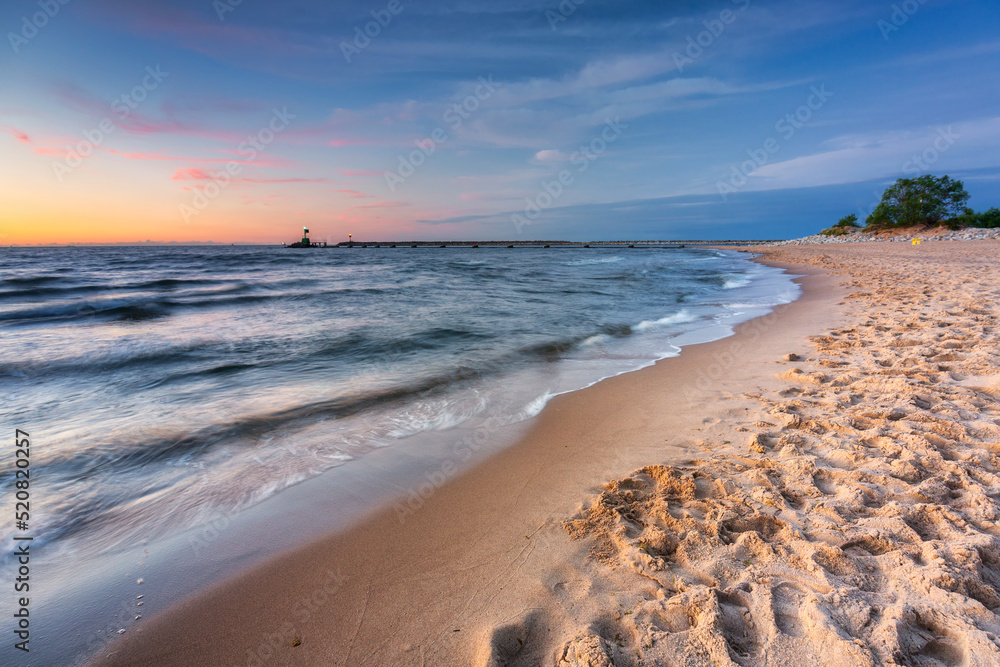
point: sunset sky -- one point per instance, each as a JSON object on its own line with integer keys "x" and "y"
{"x": 245, "y": 121}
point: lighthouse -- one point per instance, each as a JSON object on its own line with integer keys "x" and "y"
{"x": 305, "y": 237}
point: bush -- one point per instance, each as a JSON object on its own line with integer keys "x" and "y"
{"x": 843, "y": 226}
{"x": 990, "y": 218}
{"x": 970, "y": 218}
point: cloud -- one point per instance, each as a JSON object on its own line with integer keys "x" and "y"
{"x": 194, "y": 174}
{"x": 383, "y": 204}
{"x": 281, "y": 180}
{"x": 259, "y": 161}
{"x": 354, "y": 194}
{"x": 140, "y": 121}
{"x": 550, "y": 156}
{"x": 854, "y": 158}
{"x": 190, "y": 175}
{"x": 17, "y": 134}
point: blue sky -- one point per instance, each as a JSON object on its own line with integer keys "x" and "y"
{"x": 598, "y": 120}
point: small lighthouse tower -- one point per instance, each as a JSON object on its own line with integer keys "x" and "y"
{"x": 305, "y": 237}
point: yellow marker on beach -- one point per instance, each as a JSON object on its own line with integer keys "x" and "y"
{"x": 916, "y": 241}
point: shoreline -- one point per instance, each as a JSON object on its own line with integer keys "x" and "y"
{"x": 332, "y": 595}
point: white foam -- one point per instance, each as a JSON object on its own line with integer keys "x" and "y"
{"x": 597, "y": 260}
{"x": 534, "y": 408}
{"x": 676, "y": 318}
{"x": 595, "y": 340}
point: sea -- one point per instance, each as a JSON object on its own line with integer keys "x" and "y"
{"x": 162, "y": 386}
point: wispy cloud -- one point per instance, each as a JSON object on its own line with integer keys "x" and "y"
{"x": 17, "y": 134}
{"x": 860, "y": 157}
{"x": 194, "y": 174}
{"x": 383, "y": 204}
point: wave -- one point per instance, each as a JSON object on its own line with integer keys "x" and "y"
{"x": 143, "y": 308}
{"x": 595, "y": 340}
{"x": 134, "y": 455}
{"x": 594, "y": 260}
{"x": 535, "y": 407}
{"x": 30, "y": 280}
{"x": 677, "y": 318}
{"x": 146, "y": 307}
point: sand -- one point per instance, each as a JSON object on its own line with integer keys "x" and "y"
{"x": 820, "y": 488}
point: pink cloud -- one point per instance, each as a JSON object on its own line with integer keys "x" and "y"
{"x": 354, "y": 194}
{"x": 344, "y": 125}
{"x": 17, "y": 134}
{"x": 140, "y": 122}
{"x": 194, "y": 174}
{"x": 283, "y": 180}
{"x": 190, "y": 175}
{"x": 53, "y": 145}
{"x": 383, "y": 204}
{"x": 259, "y": 162}
{"x": 50, "y": 150}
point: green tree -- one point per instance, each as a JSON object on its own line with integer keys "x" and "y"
{"x": 916, "y": 201}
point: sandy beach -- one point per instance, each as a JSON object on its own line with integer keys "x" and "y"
{"x": 820, "y": 488}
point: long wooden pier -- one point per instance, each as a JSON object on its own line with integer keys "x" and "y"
{"x": 534, "y": 244}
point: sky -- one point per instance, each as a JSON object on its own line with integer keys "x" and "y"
{"x": 245, "y": 120}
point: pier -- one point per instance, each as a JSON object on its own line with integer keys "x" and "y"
{"x": 352, "y": 244}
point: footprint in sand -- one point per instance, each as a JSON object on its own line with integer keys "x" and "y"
{"x": 765, "y": 526}
{"x": 786, "y": 600}
{"x": 924, "y": 643}
{"x": 737, "y": 627}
